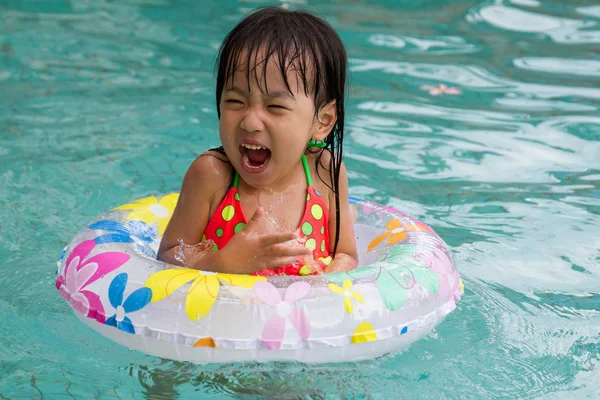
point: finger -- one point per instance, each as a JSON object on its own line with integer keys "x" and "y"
{"x": 288, "y": 251}
{"x": 257, "y": 216}
{"x": 253, "y": 224}
{"x": 279, "y": 262}
{"x": 276, "y": 238}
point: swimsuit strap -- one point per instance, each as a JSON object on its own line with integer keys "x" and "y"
{"x": 306, "y": 171}
{"x": 236, "y": 178}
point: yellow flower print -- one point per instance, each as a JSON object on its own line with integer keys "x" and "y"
{"x": 364, "y": 333}
{"x": 348, "y": 295}
{"x": 151, "y": 210}
{"x": 203, "y": 291}
{"x": 395, "y": 234}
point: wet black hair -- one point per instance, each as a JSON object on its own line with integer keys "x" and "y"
{"x": 308, "y": 44}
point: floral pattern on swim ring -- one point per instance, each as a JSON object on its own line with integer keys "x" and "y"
{"x": 62, "y": 257}
{"x": 205, "y": 342}
{"x": 137, "y": 300}
{"x": 137, "y": 232}
{"x": 396, "y": 233}
{"x": 152, "y": 211}
{"x": 203, "y": 291}
{"x": 448, "y": 276}
{"x": 285, "y": 309}
{"x": 363, "y": 333}
{"x": 346, "y": 291}
{"x": 394, "y": 279}
{"x": 81, "y": 271}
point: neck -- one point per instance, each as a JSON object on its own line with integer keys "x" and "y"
{"x": 296, "y": 176}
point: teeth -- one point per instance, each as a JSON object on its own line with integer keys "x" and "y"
{"x": 253, "y": 147}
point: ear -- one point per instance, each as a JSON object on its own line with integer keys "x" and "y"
{"x": 326, "y": 119}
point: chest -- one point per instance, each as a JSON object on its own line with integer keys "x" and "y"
{"x": 295, "y": 208}
{"x": 284, "y": 211}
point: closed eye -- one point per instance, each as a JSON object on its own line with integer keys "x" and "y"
{"x": 277, "y": 107}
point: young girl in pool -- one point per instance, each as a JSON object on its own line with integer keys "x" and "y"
{"x": 280, "y": 102}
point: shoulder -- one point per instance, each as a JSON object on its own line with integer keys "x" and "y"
{"x": 209, "y": 174}
{"x": 209, "y": 165}
{"x": 320, "y": 164}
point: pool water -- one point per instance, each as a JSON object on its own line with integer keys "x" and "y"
{"x": 479, "y": 118}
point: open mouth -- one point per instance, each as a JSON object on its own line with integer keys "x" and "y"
{"x": 254, "y": 157}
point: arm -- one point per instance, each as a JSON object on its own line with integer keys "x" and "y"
{"x": 203, "y": 180}
{"x": 346, "y": 257}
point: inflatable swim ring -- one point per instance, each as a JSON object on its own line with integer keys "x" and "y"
{"x": 406, "y": 284}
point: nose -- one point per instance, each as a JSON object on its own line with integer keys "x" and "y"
{"x": 252, "y": 121}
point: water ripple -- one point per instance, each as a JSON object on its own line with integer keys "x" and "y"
{"x": 439, "y": 45}
{"x": 559, "y": 29}
{"x": 471, "y": 77}
{"x": 590, "y": 11}
{"x": 559, "y": 65}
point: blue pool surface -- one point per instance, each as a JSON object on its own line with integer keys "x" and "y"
{"x": 103, "y": 102}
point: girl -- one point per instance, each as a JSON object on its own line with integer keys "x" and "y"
{"x": 280, "y": 102}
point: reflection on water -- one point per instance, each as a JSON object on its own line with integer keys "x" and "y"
{"x": 104, "y": 102}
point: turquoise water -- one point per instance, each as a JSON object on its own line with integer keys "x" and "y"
{"x": 102, "y": 102}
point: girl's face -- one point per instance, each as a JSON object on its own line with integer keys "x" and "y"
{"x": 265, "y": 134}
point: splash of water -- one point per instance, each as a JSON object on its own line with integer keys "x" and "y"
{"x": 189, "y": 254}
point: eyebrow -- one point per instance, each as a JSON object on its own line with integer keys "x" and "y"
{"x": 271, "y": 95}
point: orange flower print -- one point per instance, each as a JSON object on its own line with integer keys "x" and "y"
{"x": 395, "y": 234}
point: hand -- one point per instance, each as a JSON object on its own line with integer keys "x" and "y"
{"x": 342, "y": 263}
{"x": 249, "y": 251}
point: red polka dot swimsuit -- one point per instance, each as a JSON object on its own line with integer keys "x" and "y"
{"x": 313, "y": 229}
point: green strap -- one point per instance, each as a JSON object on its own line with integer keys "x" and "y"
{"x": 236, "y": 178}
{"x": 306, "y": 170}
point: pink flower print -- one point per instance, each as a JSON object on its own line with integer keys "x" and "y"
{"x": 79, "y": 273}
{"x": 274, "y": 329}
{"x": 448, "y": 275}
{"x": 441, "y": 89}
{"x": 367, "y": 208}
